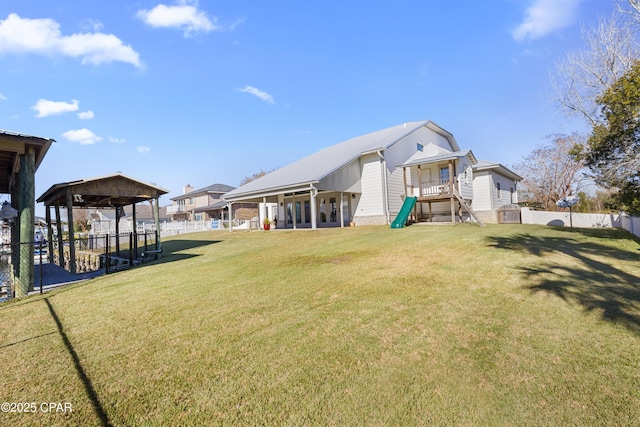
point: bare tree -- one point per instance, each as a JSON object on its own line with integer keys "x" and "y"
{"x": 259, "y": 174}
{"x": 635, "y": 4}
{"x": 610, "y": 50}
{"x": 551, "y": 173}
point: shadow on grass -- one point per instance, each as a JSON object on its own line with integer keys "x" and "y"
{"x": 593, "y": 282}
{"x": 27, "y": 339}
{"x": 172, "y": 248}
{"x": 91, "y": 393}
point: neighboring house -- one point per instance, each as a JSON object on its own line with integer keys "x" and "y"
{"x": 365, "y": 180}
{"x": 103, "y": 220}
{"x": 199, "y": 205}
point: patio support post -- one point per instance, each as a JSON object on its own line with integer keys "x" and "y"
{"x": 314, "y": 220}
{"x": 451, "y": 198}
{"x": 47, "y": 214}
{"x": 60, "y": 240}
{"x": 117, "y": 230}
{"x": 341, "y": 209}
{"x": 156, "y": 215}
{"x": 26, "y": 223}
{"x": 230, "y": 209}
{"x": 15, "y": 230}
{"x": 266, "y": 210}
{"x": 404, "y": 177}
{"x": 134, "y": 226}
{"x": 295, "y": 211}
{"x": 72, "y": 239}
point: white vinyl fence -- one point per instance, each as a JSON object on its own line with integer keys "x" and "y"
{"x": 170, "y": 228}
{"x": 567, "y": 219}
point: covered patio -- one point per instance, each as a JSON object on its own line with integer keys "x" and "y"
{"x": 106, "y": 192}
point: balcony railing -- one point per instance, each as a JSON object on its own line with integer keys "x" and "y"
{"x": 434, "y": 188}
{"x": 175, "y": 209}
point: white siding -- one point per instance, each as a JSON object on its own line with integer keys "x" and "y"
{"x": 465, "y": 179}
{"x": 402, "y": 150}
{"x": 482, "y": 191}
{"x": 370, "y": 201}
{"x": 502, "y": 197}
{"x": 346, "y": 179}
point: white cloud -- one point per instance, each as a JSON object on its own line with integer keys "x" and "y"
{"x": 117, "y": 140}
{"x": 544, "y": 17}
{"x": 91, "y": 25}
{"x": 52, "y": 108}
{"x": 258, "y": 93}
{"x": 184, "y": 15}
{"x": 2, "y": 97}
{"x": 82, "y": 136}
{"x": 42, "y": 36}
{"x": 86, "y": 115}
{"x": 142, "y": 149}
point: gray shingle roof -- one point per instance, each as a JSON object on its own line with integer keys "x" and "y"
{"x": 213, "y": 188}
{"x": 486, "y": 165}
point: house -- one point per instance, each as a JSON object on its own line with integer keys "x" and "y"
{"x": 199, "y": 205}
{"x": 103, "y": 220}
{"x": 365, "y": 180}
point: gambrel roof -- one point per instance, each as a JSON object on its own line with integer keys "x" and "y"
{"x": 299, "y": 175}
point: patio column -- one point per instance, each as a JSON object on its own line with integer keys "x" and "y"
{"x": 230, "y": 209}
{"x": 156, "y": 215}
{"x": 266, "y": 210}
{"x": 24, "y": 284}
{"x": 72, "y": 241}
{"x": 60, "y": 237}
{"x": 341, "y": 209}
{"x": 47, "y": 214}
{"x": 451, "y": 198}
{"x": 313, "y": 193}
{"x": 404, "y": 178}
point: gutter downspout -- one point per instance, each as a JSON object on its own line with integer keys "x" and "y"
{"x": 314, "y": 194}
{"x": 385, "y": 191}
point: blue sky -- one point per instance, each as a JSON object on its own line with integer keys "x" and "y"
{"x": 203, "y": 92}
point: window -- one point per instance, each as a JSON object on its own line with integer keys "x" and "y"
{"x": 332, "y": 209}
{"x": 192, "y": 200}
{"x": 420, "y": 147}
{"x": 498, "y": 189}
{"x": 444, "y": 175}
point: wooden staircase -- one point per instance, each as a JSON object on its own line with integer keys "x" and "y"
{"x": 466, "y": 206}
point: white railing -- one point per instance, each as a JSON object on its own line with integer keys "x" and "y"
{"x": 175, "y": 209}
{"x": 434, "y": 188}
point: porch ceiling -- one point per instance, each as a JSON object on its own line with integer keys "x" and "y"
{"x": 12, "y": 145}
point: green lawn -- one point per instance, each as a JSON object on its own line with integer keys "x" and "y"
{"x": 454, "y": 325}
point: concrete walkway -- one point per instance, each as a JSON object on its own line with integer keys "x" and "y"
{"x": 54, "y": 277}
